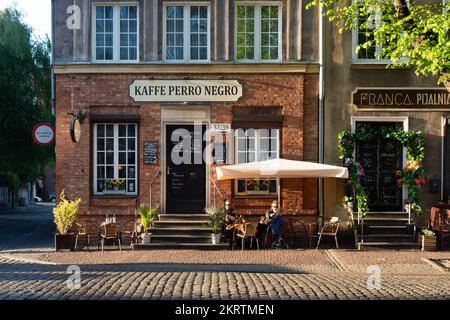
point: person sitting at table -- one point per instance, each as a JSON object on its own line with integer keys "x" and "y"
{"x": 229, "y": 220}
{"x": 265, "y": 220}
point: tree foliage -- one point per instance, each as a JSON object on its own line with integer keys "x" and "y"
{"x": 415, "y": 35}
{"x": 25, "y": 99}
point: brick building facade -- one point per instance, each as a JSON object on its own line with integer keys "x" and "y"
{"x": 278, "y": 109}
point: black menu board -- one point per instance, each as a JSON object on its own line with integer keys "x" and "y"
{"x": 150, "y": 152}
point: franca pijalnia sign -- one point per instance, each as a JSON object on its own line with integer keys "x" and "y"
{"x": 371, "y": 98}
{"x": 185, "y": 90}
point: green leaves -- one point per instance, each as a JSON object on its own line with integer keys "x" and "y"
{"x": 216, "y": 216}
{"x": 148, "y": 216}
{"x": 412, "y": 175}
{"x": 25, "y": 99}
{"x": 415, "y": 36}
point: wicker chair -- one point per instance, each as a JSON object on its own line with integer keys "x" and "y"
{"x": 249, "y": 232}
{"x": 110, "y": 231}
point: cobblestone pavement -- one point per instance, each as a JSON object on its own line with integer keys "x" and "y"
{"x": 331, "y": 277}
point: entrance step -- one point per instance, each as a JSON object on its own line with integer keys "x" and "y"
{"x": 183, "y": 238}
{"x": 376, "y": 221}
{"x": 368, "y": 238}
{"x": 180, "y": 246}
{"x": 387, "y": 214}
{"x": 389, "y": 245}
{"x": 181, "y": 224}
{"x": 181, "y": 230}
{"x": 183, "y": 217}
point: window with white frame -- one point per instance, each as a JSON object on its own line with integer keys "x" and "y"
{"x": 115, "y": 158}
{"x": 256, "y": 145}
{"x": 258, "y": 32}
{"x": 365, "y": 33}
{"x": 116, "y": 33}
{"x": 186, "y": 32}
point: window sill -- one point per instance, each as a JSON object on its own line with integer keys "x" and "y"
{"x": 376, "y": 65}
{"x": 256, "y": 196}
{"x": 113, "y": 196}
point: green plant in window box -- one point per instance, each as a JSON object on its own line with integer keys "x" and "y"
{"x": 251, "y": 185}
{"x": 115, "y": 185}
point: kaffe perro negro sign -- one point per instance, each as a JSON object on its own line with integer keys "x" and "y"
{"x": 372, "y": 98}
{"x": 185, "y": 90}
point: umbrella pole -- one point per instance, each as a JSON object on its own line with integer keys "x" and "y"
{"x": 279, "y": 192}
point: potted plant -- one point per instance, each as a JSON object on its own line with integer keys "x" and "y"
{"x": 216, "y": 221}
{"x": 65, "y": 214}
{"x": 427, "y": 240}
{"x": 148, "y": 215}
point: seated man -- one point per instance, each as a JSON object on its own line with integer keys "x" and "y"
{"x": 229, "y": 220}
{"x": 266, "y": 220}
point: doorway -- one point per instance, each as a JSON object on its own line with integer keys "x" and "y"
{"x": 381, "y": 158}
{"x": 185, "y": 169}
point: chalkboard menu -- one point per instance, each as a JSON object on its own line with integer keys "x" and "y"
{"x": 150, "y": 152}
{"x": 381, "y": 158}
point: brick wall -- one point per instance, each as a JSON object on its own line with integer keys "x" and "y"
{"x": 296, "y": 94}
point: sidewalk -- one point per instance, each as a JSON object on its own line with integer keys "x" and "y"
{"x": 287, "y": 261}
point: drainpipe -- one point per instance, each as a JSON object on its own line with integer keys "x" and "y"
{"x": 53, "y": 82}
{"x": 321, "y": 109}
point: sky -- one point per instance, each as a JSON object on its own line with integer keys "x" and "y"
{"x": 37, "y": 14}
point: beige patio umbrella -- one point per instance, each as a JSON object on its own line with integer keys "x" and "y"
{"x": 280, "y": 168}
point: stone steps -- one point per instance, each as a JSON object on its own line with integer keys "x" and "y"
{"x": 181, "y": 231}
{"x": 386, "y": 230}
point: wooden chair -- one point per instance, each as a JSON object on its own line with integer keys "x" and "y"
{"x": 268, "y": 236}
{"x": 110, "y": 231}
{"x": 249, "y": 232}
{"x": 439, "y": 223}
{"x": 330, "y": 228}
{"x": 130, "y": 230}
{"x": 86, "y": 230}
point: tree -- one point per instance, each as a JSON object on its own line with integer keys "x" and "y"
{"x": 25, "y": 100}
{"x": 411, "y": 35}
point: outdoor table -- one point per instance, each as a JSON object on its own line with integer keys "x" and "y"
{"x": 440, "y": 209}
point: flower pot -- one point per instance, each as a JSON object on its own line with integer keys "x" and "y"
{"x": 146, "y": 238}
{"x": 215, "y": 238}
{"x": 427, "y": 243}
{"x": 64, "y": 242}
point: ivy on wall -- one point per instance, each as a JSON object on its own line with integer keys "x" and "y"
{"x": 412, "y": 175}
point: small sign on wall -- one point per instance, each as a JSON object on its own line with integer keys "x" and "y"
{"x": 220, "y": 127}
{"x": 43, "y": 134}
{"x": 150, "y": 152}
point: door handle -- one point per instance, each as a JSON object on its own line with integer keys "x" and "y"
{"x": 168, "y": 170}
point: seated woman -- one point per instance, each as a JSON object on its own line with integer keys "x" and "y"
{"x": 230, "y": 219}
{"x": 265, "y": 220}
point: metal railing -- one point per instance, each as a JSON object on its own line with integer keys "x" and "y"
{"x": 147, "y": 189}
{"x": 214, "y": 193}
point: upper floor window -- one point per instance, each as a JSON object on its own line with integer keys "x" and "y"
{"x": 258, "y": 32}
{"x": 116, "y": 35}
{"x": 186, "y": 33}
{"x": 364, "y": 33}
